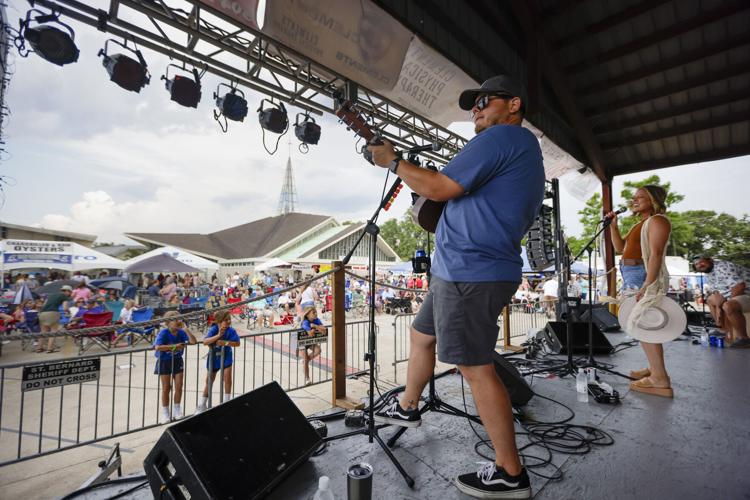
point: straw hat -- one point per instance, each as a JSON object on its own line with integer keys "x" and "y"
{"x": 658, "y": 324}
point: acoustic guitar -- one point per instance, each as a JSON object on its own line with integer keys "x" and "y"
{"x": 425, "y": 213}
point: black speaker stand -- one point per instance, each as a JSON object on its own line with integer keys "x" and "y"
{"x": 371, "y": 430}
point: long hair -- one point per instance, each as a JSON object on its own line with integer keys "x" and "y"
{"x": 658, "y": 197}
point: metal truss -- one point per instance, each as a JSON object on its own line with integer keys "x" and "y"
{"x": 206, "y": 39}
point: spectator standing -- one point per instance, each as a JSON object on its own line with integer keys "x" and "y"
{"x": 169, "y": 289}
{"x": 49, "y": 317}
{"x": 169, "y": 346}
{"x": 82, "y": 292}
{"x": 221, "y": 337}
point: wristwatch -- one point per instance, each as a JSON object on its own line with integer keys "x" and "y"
{"x": 393, "y": 165}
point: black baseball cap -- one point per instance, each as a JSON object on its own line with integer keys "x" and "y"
{"x": 500, "y": 84}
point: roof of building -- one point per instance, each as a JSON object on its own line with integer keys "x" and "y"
{"x": 115, "y": 250}
{"x": 623, "y": 85}
{"x": 254, "y": 239}
{"x": 51, "y": 232}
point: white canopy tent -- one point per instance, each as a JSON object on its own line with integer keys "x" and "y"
{"x": 270, "y": 264}
{"x": 181, "y": 255}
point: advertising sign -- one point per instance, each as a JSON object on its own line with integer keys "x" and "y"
{"x": 244, "y": 11}
{"x": 356, "y": 39}
{"x": 429, "y": 85}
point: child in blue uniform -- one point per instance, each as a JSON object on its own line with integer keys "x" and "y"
{"x": 220, "y": 337}
{"x": 310, "y": 323}
{"x": 169, "y": 346}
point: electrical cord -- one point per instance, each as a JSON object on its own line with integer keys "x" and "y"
{"x": 127, "y": 492}
{"x": 91, "y": 487}
{"x": 549, "y": 437}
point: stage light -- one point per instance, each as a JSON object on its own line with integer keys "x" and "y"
{"x": 125, "y": 71}
{"x": 307, "y": 131}
{"x": 182, "y": 89}
{"x": 273, "y": 119}
{"x": 232, "y": 106}
{"x": 51, "y": 43}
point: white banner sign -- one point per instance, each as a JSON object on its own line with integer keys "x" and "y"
{"x": 354, "y": 38}
{"x": 429, "y": 85}
{"x": 244, "y": 11}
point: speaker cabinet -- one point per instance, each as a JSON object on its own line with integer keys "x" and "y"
{"x": 519, "y": 391}
{"x": 237, "y": 450}
{"x": 580, "y": 340}
{"x": 606, "y": 321}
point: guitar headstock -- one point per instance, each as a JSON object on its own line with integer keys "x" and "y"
{"x": 354, "y": 119}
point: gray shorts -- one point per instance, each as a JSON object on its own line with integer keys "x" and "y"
{"x": 463, "y": 317}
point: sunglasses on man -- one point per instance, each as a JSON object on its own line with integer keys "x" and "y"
{"x": 484, "y": 100}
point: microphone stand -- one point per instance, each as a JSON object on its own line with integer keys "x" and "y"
{"x": 371, "y": 431}
{"x": 591, "y": 362}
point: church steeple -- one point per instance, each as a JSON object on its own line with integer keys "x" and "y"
{"x": 288, "y": 198}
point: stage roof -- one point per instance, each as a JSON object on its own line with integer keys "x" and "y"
{"x": 623, "y": 85}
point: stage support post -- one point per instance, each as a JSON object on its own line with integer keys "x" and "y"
{"x": 609, "y": 249}
{"x": 338, "y": 340}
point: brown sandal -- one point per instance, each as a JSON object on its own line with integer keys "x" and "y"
{"x": 646, "y": 386}
{"x": 639, "y": 374}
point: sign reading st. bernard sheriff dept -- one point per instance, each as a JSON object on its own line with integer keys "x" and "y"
{"x": 51, "y": 375}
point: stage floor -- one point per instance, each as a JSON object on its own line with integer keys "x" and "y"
{"x": 693, "y": 447}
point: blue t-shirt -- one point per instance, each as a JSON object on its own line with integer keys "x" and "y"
{"x": 165, "y": 337}
{"x": 230, "y": 335}
{"x": 479, "y": 234}
{"x": 307, "y": 326}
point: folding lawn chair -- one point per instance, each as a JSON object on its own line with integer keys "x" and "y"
{"x": 140, "y": 334}
{"x": 103, "y": 339}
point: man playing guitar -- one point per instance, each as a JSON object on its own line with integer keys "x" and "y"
{"x": 493, "y": 187}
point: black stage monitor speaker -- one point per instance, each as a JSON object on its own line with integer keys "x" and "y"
{"x": 237, "y": 450}
{"x": 580, "y": 341}
{"x": 519, "y": 391}
{"x": 606, "y": 321}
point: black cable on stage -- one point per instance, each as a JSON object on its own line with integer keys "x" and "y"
{"x": 110, "y": 482}
{"x": 559, "y": 436}
{"x": 127, "y": 492}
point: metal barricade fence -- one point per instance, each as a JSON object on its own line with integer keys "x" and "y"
{"x": 125, "y": 397}
{"x": 523, "y": 317}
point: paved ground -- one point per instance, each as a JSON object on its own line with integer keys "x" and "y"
{"x": 692, "y": 447}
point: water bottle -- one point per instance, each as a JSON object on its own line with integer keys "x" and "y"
{"x": 323, "y": 493}
{"x": 582, "y": 386}
{"x": 704, "y": 339}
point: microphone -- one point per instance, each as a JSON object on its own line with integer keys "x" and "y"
{"x": 617, "y": 212}
{"x": 421, "y": 149}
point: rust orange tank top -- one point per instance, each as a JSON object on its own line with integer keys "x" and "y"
{"x": 632, "y": 248}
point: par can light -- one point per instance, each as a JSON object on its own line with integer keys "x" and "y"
{"x": 231, "y": 106}
{"x": 307, "y": 131}
{"x": 273, "y": 119}
{"x": 124, "y": 70}
{"x": 51, "y": 43}
{"x": 182, "y": 89}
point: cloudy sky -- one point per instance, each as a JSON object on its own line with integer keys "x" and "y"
{"x": 84, "y": 155}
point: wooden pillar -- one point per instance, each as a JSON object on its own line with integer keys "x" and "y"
{"x": 609, "y": 249}
{"x": 338, "y": 334}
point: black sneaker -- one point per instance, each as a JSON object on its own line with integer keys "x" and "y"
{"x": 392, "y": 413}
{"x": 492, "y": 482}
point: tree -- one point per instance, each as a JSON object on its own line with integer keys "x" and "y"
{"x": 720, "y": 235}
{"x": 404, "y": 236}
{"x": 682, "y": 229}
